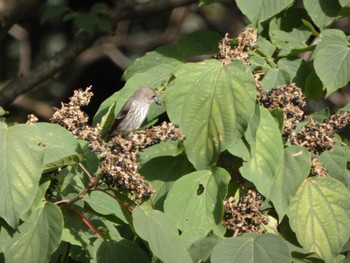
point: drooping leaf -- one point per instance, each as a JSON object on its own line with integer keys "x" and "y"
{"x": 266, "y": 148}
{"x": 196, "y": 200}
{"x": 161, "y": 234}
{"x": 212, "y": 104}
{"x": 297, "y": 163}
{"x": 168, "y": 148}
{"x": 259, "y": 11}
{"x": 21, "y": 163}
{"x": 37, "y": 238}
{"x": 335, "y": 162}
{"x": 296, "y": 68}
{"x": 319, "y": 214}
{"x": 267, "y": 248}
{"x": 104, "y": 204}
{"x": 332, "y": 60}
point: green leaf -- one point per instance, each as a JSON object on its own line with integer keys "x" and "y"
{"x": 202, "y": 248}
{"x": 332, "y": 60}
{"x": 259, "y": 11}
{"x": 240, "y": 149}
{"x": 296, "y": 68}
{"x": 120, "y": 251}
{"x": 168, "y": 148}
{"x": 252, "y": 248}
{"x": 310, "y": 27}
{"x": 313, "y": 88}
{"x": 52, "y": 12}
{"x": 297, "y": 163}
{"x": 319, "y": 214}
{"x": 201, "y": 42}
{"x": 212, "y": 104}
{"x": 61, "y": 146}
{"x": 162, "y": 172}
{"x": 322, "y": 13}
{"x": 196, "y": 200}
{"x": 265, "y": 47}
{"x": 275, "y": 77}
{"x": 21, "y": 163}
{"x": 335, "y": 162}
{"x": 104, "y": 204}
{"x": 264, "y": 138}
{"x": 38, "y": 238}
{"x": 165, "y": 55}
{"x": 99, "y": 8}
{"x": 161, "y": 234}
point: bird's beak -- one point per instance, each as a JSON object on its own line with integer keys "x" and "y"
{"x": 156, "y": 100}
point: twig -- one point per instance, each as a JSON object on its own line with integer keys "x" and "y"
{"x": 86, "y": 221}
{"x": 85, "y": 171}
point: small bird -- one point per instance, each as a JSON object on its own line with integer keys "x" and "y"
{"x": 133, "y": 112}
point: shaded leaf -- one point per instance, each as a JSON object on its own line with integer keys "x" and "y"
{"x": 202, "y": 248}
{"x": 120, "y": 251}
{"x": 162, "y": 172}
{"x": 161, "y": 234}
{"x": 104, "y": 204}
{"x": 322, "y": 13}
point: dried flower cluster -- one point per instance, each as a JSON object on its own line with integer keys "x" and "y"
{"x": 244, "y": 216}
{"x": 316, "y": 137}
{"x": 290, "y": 99}
{"x": 244, "y": 42}
{"x": 119, "y": 161}
{"x": 118, "y": 158}
{"x": 71, "y": 117}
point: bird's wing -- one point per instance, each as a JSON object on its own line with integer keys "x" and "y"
{"x": 121, "y": 115}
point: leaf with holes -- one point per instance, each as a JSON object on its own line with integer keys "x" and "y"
{"x": 196, "y": 200}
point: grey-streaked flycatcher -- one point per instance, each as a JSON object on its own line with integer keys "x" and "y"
{"x": 133, "y": 112}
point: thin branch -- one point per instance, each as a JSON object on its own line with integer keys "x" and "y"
{"x": 82, "y": 41}
{"x": 13, "y": 11}
{"x": 86, "y": 221}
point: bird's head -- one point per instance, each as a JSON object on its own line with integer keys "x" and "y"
{"x": 146, "y": 94}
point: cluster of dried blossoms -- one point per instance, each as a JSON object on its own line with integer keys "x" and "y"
{"x": 317, "y": 138}
{"x": 244, "y": 42}
{"x": 118, "y": 157}
{"x": 244, "y": 216}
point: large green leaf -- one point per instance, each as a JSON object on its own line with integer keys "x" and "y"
{"x": 260, "y": 10}
{"x": 119, "y": 251}
{"x": 202, "y": 247}
{"x": 296, "y": 68}
{"x": 196, "y": 200}
{"x": 322, "y": 13}
{"x": 21, "y": 163}
{"x": 252, "y": 248}
{"x": 297, "y": 163}
{"x": 332, "y": 60}
{"x": 212, "y": 104}
{"x": 162, "y": 172}
{"x": 161, "y": 234}
{"x": 168, "y": 148}
{"x": 266, "y": 147}
{"x": 38, "y": 238}
{"x": 319, "y": 214}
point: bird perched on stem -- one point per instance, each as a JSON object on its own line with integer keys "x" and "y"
{"x": 133, "y": 112}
